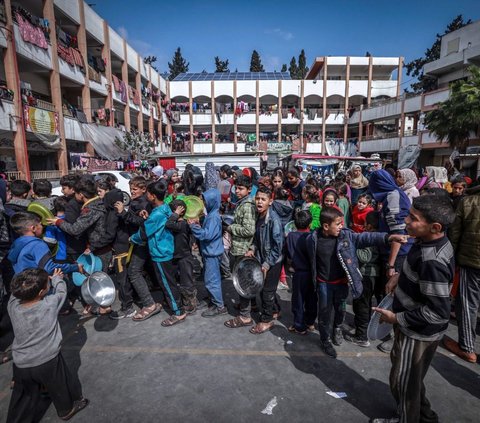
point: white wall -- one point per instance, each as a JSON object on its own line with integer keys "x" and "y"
{"x": 70, "y": 8}
{"x": 32, "y": 52}
{"x": 467, "y": 34}
{"x": 93, "y": 23}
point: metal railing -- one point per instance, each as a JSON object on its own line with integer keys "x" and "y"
{"x": 45, "y": 105}
{"x": 45, "y": 174}
{"x": 11, "y": 175}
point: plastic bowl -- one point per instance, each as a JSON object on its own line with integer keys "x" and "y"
{"x": 40, "y": 210}
{"x": 91, "y": 264}
{"x": 194, "y": 207}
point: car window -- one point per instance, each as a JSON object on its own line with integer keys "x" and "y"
{"x": 126, "y": 175}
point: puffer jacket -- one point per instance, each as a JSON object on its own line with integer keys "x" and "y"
{"x": 347, "y": 244}
{"x": 269, "y": 252}
{"x": 464, "y": 233}
{"x": 91, "y": 222}
{"x": 243, "y": 226}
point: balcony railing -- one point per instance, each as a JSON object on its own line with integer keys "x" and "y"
{"x": 45, "y": 174}
{"x": 12, "y": 175}
{"x": 45, "y": 105}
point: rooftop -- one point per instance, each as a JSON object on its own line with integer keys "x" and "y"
{"x": 233, "y": 76}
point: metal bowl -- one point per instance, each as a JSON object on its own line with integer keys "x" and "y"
{"x": 99, "y": 290}
{"x": 248, "y": 277}
{"x": 377, "y": 330}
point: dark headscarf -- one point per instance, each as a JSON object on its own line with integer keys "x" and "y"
{"x": 381, "y": 184}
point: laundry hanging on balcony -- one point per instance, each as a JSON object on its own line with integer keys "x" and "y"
{"x": 44, "y": 125}
{"x": 102, "y": 139}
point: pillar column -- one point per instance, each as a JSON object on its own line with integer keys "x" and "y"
{"x": 347, "y": 93}
{"x": 190, "y": 113}
{"x": 13, "y": 83}
{"x": 212, "y": 96}
{"x": 108, "y": 70}
{"x": 169, "y": 124}
{"x": 55, "y": 88}
{"x": 303, "y": 147}
{"x": 126, "y": 112}
{"x": 257, "y": 112}
{"x": 160, "y": 115}
{"x": 235, "y": 125}
{"x": 399, "y": 77}
{"x": 150, "y": 109}
{"x": 138, "y": 86}
{"x": 402, "y": 122}
{"x": 324, "y": 114}
{"x": 279, "y": 106}
{"x": 370, "y": 76}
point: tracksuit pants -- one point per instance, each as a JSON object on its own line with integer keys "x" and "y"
{"x": 63, "y": 388}
{"x": 467, "y": 304}
{"x": 411, "y": 359}
{"x": 165, "y": 272}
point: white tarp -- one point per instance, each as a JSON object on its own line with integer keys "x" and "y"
{"x": 102, "y": 139}
{"x": 407, "y": 156}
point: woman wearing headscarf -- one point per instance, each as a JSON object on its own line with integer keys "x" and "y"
{"x": 211, "y": 176}
{"x": 406, "y": 180}
{"x": 395, "y": 208}
{"x": 358, "y": 183}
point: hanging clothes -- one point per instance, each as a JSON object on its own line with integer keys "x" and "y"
{"x": 30, "y": 33}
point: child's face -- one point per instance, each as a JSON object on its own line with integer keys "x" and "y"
{"x": 136, "y": 191}
{"x": 277, "y": 182}
{"x": 362, "y": 203}
{"x": 334, "y": 228}
{"x": 458, "y": 189}
{"x": 101, "y": 192}
{"x": 151, "y": 198}
{"x": 329, "y": 200}
{"x": 37, "y": 229}
{"x": 369, "y": 228}
{"x": 241, "y": 192}
{"x": 292, "y": 179}
{"x": 262, "y": 202}
{"x": 67, "y": 191}
{"x": 175, "y": 178}
{"x": 417, "y": 226}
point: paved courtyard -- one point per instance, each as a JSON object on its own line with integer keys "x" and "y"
{"x": 200, "y": 371}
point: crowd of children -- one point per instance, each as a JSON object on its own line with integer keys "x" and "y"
{"x": 357, "y": 236}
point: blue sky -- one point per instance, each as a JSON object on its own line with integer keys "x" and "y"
{"x": 279, "y": 29}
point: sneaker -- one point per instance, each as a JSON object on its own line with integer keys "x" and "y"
{"x": 337, "y": 336}
{"x": 361, "y": 342}
{"x": 215, "y": 311}
{"x": 203, "y": 304}
{"x": 282, "y": 286}
{"x": 327, "y": 347}
{"x": 386, "y": 346}
{"x": 453, "y": 347}
{"x": 122, "y": 314}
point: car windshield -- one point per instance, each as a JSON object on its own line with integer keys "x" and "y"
{"x": 126, "y": 175}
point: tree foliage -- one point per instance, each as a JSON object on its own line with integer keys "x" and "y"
{"x": 256, "y": 62}
{"x": 138, "y": 145}
{"x": 415, "y": 67}
{"x": 150, "y": 60}
{"x": 284, "y": 68}
{"x": 458, "y": 118}
{"x": 302, "y": 65}
{"x": 293, "y": 68}
{"x": 221, "y": 65}
{"x": 179, "y": 65}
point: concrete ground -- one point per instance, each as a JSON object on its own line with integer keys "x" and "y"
{"x": 201, "y": 371}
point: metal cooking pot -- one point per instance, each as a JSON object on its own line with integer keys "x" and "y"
{"x": 98, "y": 290}
{"x": 248, "y": 277}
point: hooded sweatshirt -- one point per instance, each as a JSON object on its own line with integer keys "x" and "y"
{"x": 116, "y": 230}
{"x": 395, "y": 207}
{"x": 31, "y": 252}
{"x": 210, "y": 233}
{"x": 160, "y": 239}
{"x": 284, "y": 209}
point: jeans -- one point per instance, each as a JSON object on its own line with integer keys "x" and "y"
{"x": 135, "y": 269}
{"x": 331, "y": 297}
{"x": 125, "y": 292}
{"x": 304, "y": 301}
{"x": 213, "y": 279}
{"x": 269, "y": 293}
{"x": 362, "y": 307}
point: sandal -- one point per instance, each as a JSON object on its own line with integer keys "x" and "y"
{"x": 276, "y": 315}
{"x": 256, "y": 330}
{"x": 77, "y": 406}
{"x": 295, "y": 330}
{"x": 237, "y": 322}
{"x": 147, "y": 312}
{"x": 172, "y": 320}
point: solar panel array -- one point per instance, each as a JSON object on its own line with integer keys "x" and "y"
{"x": 233, "y": 76}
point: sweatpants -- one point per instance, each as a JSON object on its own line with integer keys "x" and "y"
{"x": 183, "y": 268}
{"x": 362, "y": 307}
{"x": 125, "y": 291}
{"x": 165, "y": 273}
{"x": 213, "y": 279}
{"x": 410, "y": 362}
{"x": 63, "y": 388}
{"x": 331, "y": 298}
{"x": 268, "y": 294}
{"x": 304, "y": 301}
{"x": 467, "y": 304}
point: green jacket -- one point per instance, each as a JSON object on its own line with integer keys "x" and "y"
{"x": 243, "y": 226}
{"x": 464, "y": 233}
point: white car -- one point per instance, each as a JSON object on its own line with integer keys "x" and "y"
{"x": 123, "y": 179}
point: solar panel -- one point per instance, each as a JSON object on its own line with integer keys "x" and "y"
{"x": 232, "y": 76}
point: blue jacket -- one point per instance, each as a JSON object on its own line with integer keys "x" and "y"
{"x": 395, "y": 207}
{"x": 29, "y": 252}
{"x": 269, "y": 252}
{"x": 160, "y": 239}
{"x": 347, "y": 244}
{"x": 210, "y": 233}
{"x": 54, "y": 235}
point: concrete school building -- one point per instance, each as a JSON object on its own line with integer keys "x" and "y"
{"x": 70, "y": 84}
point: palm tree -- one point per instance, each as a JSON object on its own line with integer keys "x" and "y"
{"x": 457, "y": 119}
